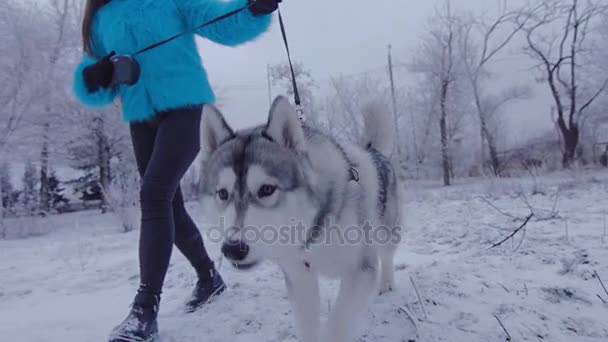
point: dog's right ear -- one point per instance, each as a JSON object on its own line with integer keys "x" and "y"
{"x": 284, "y": 126}
{"x": 214, "y": 130}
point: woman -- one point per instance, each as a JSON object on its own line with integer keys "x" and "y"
{"x": 163, "y": 108}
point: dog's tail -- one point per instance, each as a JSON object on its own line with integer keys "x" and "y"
{"x": 379, "y": 132}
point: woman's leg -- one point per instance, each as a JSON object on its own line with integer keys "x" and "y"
{"x": 188, "y": 238}
{"x": 176, "y": 144}
{"x": 141, "y": 323}
{"x": 164, "y": 150}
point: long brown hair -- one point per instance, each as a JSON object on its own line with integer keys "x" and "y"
{"x": 87, "y": 22}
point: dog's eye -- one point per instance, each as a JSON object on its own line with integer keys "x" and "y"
{"x": 266, "y": 190}
{"x": 223, "y": 194}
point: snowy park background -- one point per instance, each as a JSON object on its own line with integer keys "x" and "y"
{"x": 501, "y": 112}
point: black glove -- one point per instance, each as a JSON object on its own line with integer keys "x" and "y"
{"x": 99, "y": 75}
{"x": 261, "y": 7}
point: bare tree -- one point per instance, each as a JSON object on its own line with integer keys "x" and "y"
{"x": 19, "y": 71}
{"x": 18, "y": 74}
{"x": 93, "y": 139}
{"x": 558, "y": 37}
{"x": 344, "y": 102}
{"x": 439, "y": 64}
{"x": 62, "y": 15}
{"x": 483, "y": 40}
{"x": 29, "y": 61}
{"x": 421, "y": 100}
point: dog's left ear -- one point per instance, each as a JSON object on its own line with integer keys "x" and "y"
{"x": 214, "y": 130}
{"x": 283, "y": 125}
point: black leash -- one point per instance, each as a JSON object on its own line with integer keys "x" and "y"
{"x": 213, "y": 21}
{"x": 296, "y": 93}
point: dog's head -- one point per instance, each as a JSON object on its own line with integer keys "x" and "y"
{"x": 257, "y": 181}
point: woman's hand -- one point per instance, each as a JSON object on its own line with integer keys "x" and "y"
{"x": 99, "y": 75}
{"x": 261, "y": 7}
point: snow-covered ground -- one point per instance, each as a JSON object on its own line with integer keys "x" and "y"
{"x": 76, "y": 282}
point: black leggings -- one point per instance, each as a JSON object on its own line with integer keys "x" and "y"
{"x": 165, "y": 147}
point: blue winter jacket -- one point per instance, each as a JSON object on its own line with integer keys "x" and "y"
{"x": 172, "y": 75}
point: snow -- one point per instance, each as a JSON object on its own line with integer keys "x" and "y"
{"x": 76, "y": 282}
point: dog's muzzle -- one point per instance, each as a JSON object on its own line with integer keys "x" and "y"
{"x": 237, "y": 251}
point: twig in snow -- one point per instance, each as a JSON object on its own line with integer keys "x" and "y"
{"x": 411, "y": 311}
{"x": 601, "y": 282}
{"x": 553, "y": 209}
{"x": 604, "y": 235}
{"x": 550, "y": 213}
{"x": 566, "y": 228}
{"x": 523, "y": 237}
{"x": 514, "y": 232}
{"x": 503, "y": 328}
{"x": 504, "y": 287}
{"x": 540, "y": 337}
{"x": 419, "y": 298}
{"x": 602, "y": 299}
{"x": 404, "y": 310}
{"x": 499, "y": 228}
{"x": 498, "y": 209}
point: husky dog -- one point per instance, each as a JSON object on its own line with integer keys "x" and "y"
{"x": 291, "y": 194}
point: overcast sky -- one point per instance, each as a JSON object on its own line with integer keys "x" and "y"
{"x": 350, "y": 36}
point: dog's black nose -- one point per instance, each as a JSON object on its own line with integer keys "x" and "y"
{"x": 235, "y": 250}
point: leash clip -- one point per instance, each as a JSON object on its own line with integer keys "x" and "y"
{"x": 300, "y": 112}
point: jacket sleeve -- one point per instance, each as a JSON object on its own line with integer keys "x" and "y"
{"x": 99, "y": 98}
{"x": 231, "y": 31}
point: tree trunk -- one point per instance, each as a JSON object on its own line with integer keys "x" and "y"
{"x": 2, "y": 228}
{"x": 570, "y": 136}
{"x": 45, "y": 204}
{"x": 569, "y": 151}
{"x": 496, "y": 167}
{"x": 103, "y": 163}
{"x": 445, "y": 155}
{"x": 494, "y": 159}
{"x": 482, "y": 151}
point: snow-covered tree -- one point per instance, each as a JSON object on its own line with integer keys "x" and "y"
{"x": 559, "y": 37}
{"x": 29, "y": 195}
{"x": 7, "y": 191}
{"x": 483, "y": 40}
{"x": 440, "y": 67}
{"x": 340, "y": 110}
{"x": 122, "y": 194}
{"x": 55, "y": 192}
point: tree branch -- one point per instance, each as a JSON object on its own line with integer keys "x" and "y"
{"x": 514, "y": 232}
{"x": 594, "y": 97}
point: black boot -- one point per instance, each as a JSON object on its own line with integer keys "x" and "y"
{"x": 141, "y": 324}
{"x": 209, "y": 285}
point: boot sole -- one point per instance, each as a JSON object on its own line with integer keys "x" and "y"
{"x": 215, "y": 293}
{"x": 153, "y": 338}
{"x": 123, "y": 338}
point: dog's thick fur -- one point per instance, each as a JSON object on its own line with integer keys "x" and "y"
{"x": 333, "y": 209}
